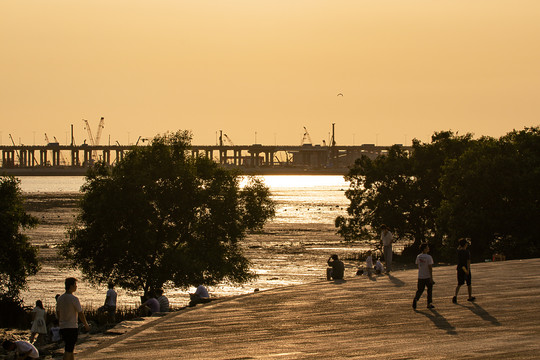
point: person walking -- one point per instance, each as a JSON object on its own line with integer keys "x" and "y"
{"x": 463, "y": 269}
{"x": 68, "y": 309}
{"x": 387, "y": 239}
{"x": 425, "y": 276}
{"x": 39, "y": 325}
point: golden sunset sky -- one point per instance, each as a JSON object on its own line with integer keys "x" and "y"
{"x": 260, "y": 70}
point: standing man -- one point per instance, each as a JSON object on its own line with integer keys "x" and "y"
{"x": 425, "y": 276}
{"x": 387, "y": 239}
{"x": 68, "y": 308}
{"x": 463, "y": 269}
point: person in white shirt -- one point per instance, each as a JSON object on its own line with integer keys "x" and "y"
{"x": 425, "y": 276}
{"x": 110, "y": 303}
{"x": 68, "y": 309}
{"x": 24, "y": 349}
{"x": 163, "y": 301}
{"x": 387, "y": 239}
{"x": 369, "y": 263}
{"x": 199, "y": 296}
{"x": 39, "y": 327}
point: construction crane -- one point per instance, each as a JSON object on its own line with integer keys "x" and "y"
{"x": 224, "y": 136}
{"x": 101, "y": 125}
{"x": 50, "y": 143}
{"x": 95, "y": 142}
{"x": 228, "y": 140}
{"x": 139, "y": 139}
{"x": 306, "y": 137}
{"x": 16, "y": 152}
{"x": 89, "y": 131}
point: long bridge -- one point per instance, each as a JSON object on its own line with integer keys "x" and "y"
{"x": 56, "y": 159}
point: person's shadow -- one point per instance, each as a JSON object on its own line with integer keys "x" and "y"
{"x": 480, "y": 311}
{"x": 339, "y": 281}
{"x": 397, "y": 282}
{"x": 439, "y": 321}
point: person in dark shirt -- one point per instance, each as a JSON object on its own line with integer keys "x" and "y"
{"x": 463, "y": 269}
{"x": 336, "y": 268}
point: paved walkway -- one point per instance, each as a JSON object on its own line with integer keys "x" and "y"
{"x": 359, "y": 319}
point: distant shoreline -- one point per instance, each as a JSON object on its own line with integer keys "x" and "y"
{"x": 81, "y": 171}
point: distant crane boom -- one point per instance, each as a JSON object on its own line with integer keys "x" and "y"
{"x": 228, "y": 140}
{"x": 99, "y": 130}
{"x": 95, "y": 141}
{"x": 13, "y": 142}
{"x": 89, "y": 131}
{"x": 306, "y": 137}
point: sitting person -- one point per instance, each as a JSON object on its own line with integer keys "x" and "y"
{"x": 55, "y": 332}
{"x": 110, "y": 303}
{"x": 369, "y": 263}
{"x": 379, "y": 268}
{"x": 163, "y": 301}
{"x": 336, "y": 268}
{"x": 24, "y": 349}
{"x": 200, "y": 296}
{"x": 149, "y": 307}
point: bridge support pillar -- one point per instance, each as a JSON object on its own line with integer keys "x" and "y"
{"x": 107, "y": 157}
{"x": 75, "y": 158}
{"x": 56, "y": 157}
{"x": 119, "y": 155}
{"x": 43, "y": 157}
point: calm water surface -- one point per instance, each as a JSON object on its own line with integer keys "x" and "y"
{"x": 299, "y": 199}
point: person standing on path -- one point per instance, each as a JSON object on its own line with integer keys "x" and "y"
{"x": 39, "y": 325}
{"x": 387, "y": 240}
{"x": 68, "y": 309}
{"x": 425, "y": 276}
{"x": 463, "y": 269}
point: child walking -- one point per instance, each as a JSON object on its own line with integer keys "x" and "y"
{"x": 425, "y": 276}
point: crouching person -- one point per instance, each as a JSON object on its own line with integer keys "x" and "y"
{"x": 200, "y": 296}
{"x": 336, "y": 268}
{"x": 24, "y": 349}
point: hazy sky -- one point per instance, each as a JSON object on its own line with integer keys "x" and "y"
{"x": 260, "y": 70}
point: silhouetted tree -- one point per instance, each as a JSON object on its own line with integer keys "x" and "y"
{"x": 492, "y": 195}
{"x": 18, "y": 259}
{"x": 485, "y": 189}
{"x": 400, "y": 190}
{"x": 162, "y": 215}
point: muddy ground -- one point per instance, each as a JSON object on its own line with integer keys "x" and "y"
{"x": 283, "y": 254}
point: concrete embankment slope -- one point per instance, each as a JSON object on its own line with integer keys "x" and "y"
{"x": 359, "y": 318}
